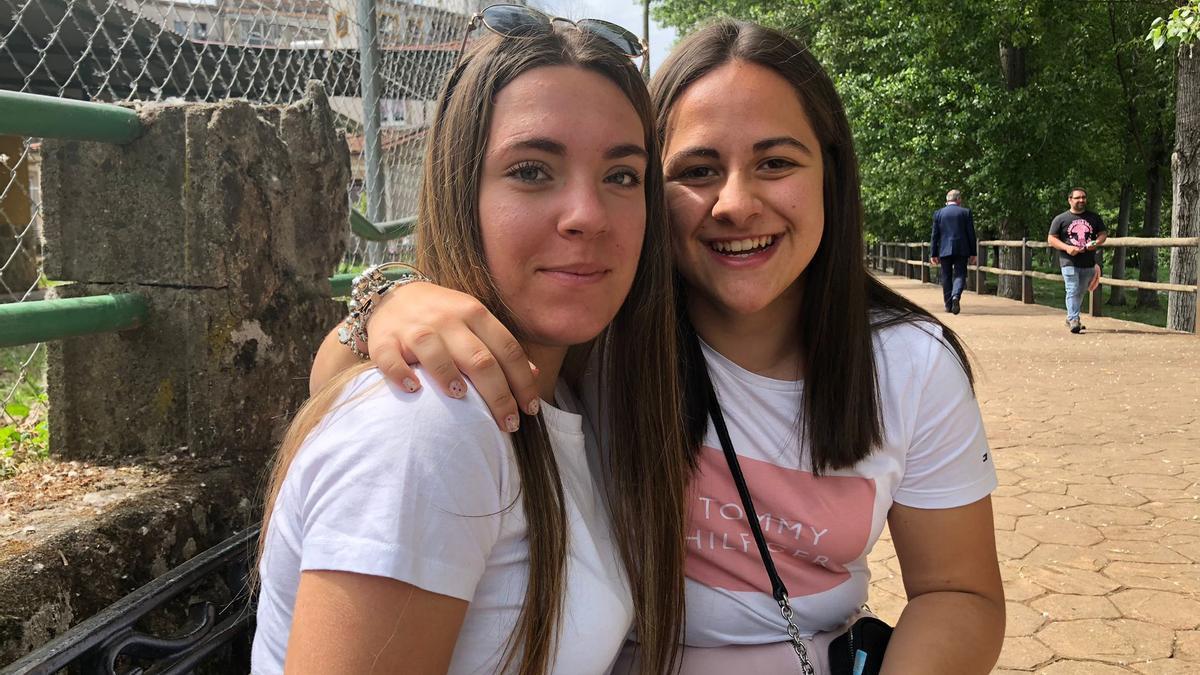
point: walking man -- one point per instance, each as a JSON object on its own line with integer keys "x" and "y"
{"x": 1076, "y": 233}
{"x": 952, "y": 246}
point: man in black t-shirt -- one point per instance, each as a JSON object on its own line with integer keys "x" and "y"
{"x": 1076, "y": 233}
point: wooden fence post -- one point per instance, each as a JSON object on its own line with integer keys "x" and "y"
{"x": 970, "y": 285}
{"x": 1026, "y": 268}
{"x": 980, "y": 275}
{"x": 1196, "y": 297}
{"x": 924, "y": 263}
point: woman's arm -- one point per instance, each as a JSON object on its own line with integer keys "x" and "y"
{"x": 450, "y": 334}
{"x": 356, "y": 623}
{"x": 954, "y": 620}
{"x": 332, "y": 358}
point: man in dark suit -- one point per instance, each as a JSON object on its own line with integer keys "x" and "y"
{"x": 952, "y": 246}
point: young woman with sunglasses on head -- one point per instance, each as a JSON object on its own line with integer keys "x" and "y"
{"x": 405, "y": 532}
{"x": 848, "y": 406}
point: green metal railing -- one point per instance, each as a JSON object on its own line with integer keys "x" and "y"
{"x": 385, "y": 231}
{"x": 52, "y": 117}
{"x": 43, "y": 320}
{"x": 56, "y": 319}
{"x": 23, "y": 323}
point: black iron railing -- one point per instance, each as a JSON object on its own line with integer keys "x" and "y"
{"x": 109, "y": 643}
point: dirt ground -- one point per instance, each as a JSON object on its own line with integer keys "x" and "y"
{"x": 46, "y": 498}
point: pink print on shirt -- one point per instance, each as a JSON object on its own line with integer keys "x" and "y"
{"x": 814, "y": 527}
{"x": 1079, "y": 232}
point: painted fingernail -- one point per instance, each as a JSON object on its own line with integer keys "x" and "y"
{"x": 532, "y": 407}
{"x": 410, "y": 385}
{"x": 534, "y": 368}
{"x": 458, "y": 389}
{"x": 512, "y": 423}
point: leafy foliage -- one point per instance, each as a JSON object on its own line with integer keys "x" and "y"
{"x": 932, "y": 108}
{"x": 1180, "y": 28}
{"x": 24, "y": 435}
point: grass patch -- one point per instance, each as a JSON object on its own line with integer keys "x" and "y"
{"x": 345, "y": 267}
{"x": 1054, "y": 294}
{"x": 24, "y": 435}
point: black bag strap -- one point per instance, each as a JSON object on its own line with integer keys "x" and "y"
{"x": 778, "y": 590}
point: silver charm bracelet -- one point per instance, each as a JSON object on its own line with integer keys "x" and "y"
{"x": 366, "y": 289}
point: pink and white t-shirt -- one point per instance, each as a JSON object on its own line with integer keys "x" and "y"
{"x": 820, "y": 529}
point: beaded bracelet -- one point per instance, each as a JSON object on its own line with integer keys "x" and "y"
{"x": 365, "y": 291}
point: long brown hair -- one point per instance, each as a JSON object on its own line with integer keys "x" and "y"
{"x": 844, "y": 305}
{"x": 646, "y": 467}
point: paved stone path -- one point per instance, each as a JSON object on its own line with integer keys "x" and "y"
{"x": 1096, "y": 439}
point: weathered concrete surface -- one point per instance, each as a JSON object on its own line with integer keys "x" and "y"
{"x": 229, "y": 218}
{"x": 211, "y": 196}
{"x": 140, "y": 534}
{"x": 1096, "y": 438}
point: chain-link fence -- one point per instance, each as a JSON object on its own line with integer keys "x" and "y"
{"x": 381, "y": 61}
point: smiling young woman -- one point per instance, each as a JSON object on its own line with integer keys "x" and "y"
{"x": 404, "y": 531}
{"x": 744, "y": 180}
{"x": 847, "y": 407}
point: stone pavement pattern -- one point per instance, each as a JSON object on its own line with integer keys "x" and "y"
{"x": 1096, "y": 439}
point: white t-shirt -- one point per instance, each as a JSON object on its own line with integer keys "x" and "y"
{"x": 934, "y": 455}
{"x": 424, "y": 489}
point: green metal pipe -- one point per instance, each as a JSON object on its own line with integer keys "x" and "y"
{"x": 394, "y": 229}
{"x": 53, "y": 117}
{"x": 23, "y": 323}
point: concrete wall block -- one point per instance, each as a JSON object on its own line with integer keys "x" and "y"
{"x": 208, "y": 197}
{"x": 236, "y": 279}
{"x": 232, "y": 158}
{"x": 320, "y": 167}
{"x": 121, "y": 393}
{"x": 203, "y": 374}
{"x": 107, "y": 206}
{"x": 250, "y": 373}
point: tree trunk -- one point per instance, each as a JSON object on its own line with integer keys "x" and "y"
{"x": 1185, "y": 167}
{"x": 1010, "y": 259}
{"x": 1151, "y": 221}
{"x": 1012, "y": 65}
{"x": 1116, "y": 296}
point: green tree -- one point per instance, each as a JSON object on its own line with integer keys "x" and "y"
{"x": 1011, "y": 101}
{"x": 1182, "y": 31}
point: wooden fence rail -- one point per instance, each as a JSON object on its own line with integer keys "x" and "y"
{"x": 900, "y": 256}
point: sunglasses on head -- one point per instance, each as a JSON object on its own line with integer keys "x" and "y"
{"x": 517, "y": 21}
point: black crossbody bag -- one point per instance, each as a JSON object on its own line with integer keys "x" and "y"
{"x": 857, "y": 651}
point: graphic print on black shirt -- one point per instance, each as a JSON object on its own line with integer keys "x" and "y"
{"x": 1077, "y": 229}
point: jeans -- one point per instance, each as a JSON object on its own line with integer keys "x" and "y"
{"x": 954, "y": 277}
{"x": 1077, "y": 280}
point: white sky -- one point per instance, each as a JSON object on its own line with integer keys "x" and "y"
{"x": 626, "y": 13}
